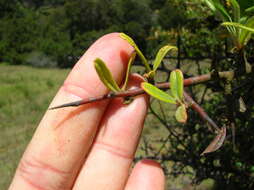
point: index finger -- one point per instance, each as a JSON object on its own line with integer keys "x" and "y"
{"x": 62, "y": 139}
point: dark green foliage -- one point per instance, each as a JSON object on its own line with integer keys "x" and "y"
{"x": 172, "y": 15}
{"x": 18, "y": 35}
{"x": 64, "y": 29}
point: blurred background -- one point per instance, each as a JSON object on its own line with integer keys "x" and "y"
{"x": 40, "y": 40}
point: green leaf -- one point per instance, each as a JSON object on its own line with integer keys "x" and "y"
{"x": 238, "y": 25}
{"x": 131, "y": 60}
{"x": 252, "y": 169}
{"x": 181, "y": 114}
{"x": 249, "y": 10}
{"x": 236, "y": 10}
{"x": 210, "y": 4}
{"x": 179, "y": 76}
{"x": 245, "y": 35}
{"x": 157, "y": 93}
{"x": 161, "y": 54}
{"x": 243, "y": 20}
{"x": 238, "y": 164}
{"x": 219, "y": 9}
{"x": 128, "y": 39}
{"x": 226, "y": 17}
{"x": 140, "y": 54}
{"x": 245, "y": 4}
{"x": 222, "y": 11}
{"x": 105, "y": 75}
{"x": 176, "y": 84}
{"x": 236, "y": 18}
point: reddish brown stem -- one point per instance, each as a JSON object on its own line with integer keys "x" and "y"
{"x": 131, "y": 93}
{"x": 200, "y": 111}
{"x": 138, "y": 91}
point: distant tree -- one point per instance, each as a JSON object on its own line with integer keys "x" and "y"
{"x": 157, "y": 4}
{"x": 18, "y": 34}
{"x": 135, "y": 18}
{"x": 172, "y": 15}
{"x": 85, "y": 15}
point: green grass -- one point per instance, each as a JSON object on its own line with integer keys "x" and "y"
{"x": 25, "y": 94}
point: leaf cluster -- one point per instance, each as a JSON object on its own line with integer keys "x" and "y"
{"x": 176, "y": 78}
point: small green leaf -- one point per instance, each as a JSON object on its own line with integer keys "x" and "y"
{"x": 157, "y": 93}
{"x": 217, "y": 7}
{"x": 252, "y": 169}
{"x": 176, "y": 84}
{"x": 222, "y": 11}
{"x": 179, "y": 76}
{"x": 140, "y": 54}
{"x": 181, "y": 114}
{"x": 210, "y": 4}
{"x": 131, "y": 60}
{"x": 128, "y": 39}
{"x": 161, "y": 54}
{"x": 238, "y": 164}
{"x": 238, "y": 25}
{"x": 105, "y": 75}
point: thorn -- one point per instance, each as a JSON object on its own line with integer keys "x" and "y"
{"x": 71, "y": 104}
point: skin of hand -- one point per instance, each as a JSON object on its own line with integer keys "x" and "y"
{"x": 91, "y": 146}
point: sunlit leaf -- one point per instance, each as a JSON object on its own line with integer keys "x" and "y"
{"x": 157, "y": 93}
{"x": 140, "y": 54}
{"x": 245, "y": 35}
{"x": 210, "y": 4}
{"x": 105, "y": 75}
{"x": 222, "y": 11}
{"x": 128, "y": 39}
{"x": 217, "y": 8}
{"x": 161, "y": 54}
{"x": 131, "y": 60}
{"x": 181, "y": 114}
{"x": 179, "y": 76}
{"x": 217, "y": 142}
{"x": 176, "y": 84}
{"x": 238, "y": 25}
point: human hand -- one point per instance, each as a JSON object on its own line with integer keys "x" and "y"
{"x": 91, "y": 146}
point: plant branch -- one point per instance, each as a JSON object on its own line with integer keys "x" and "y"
{"x": 138, "y": 91}
{"x": 201, "y": 112}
